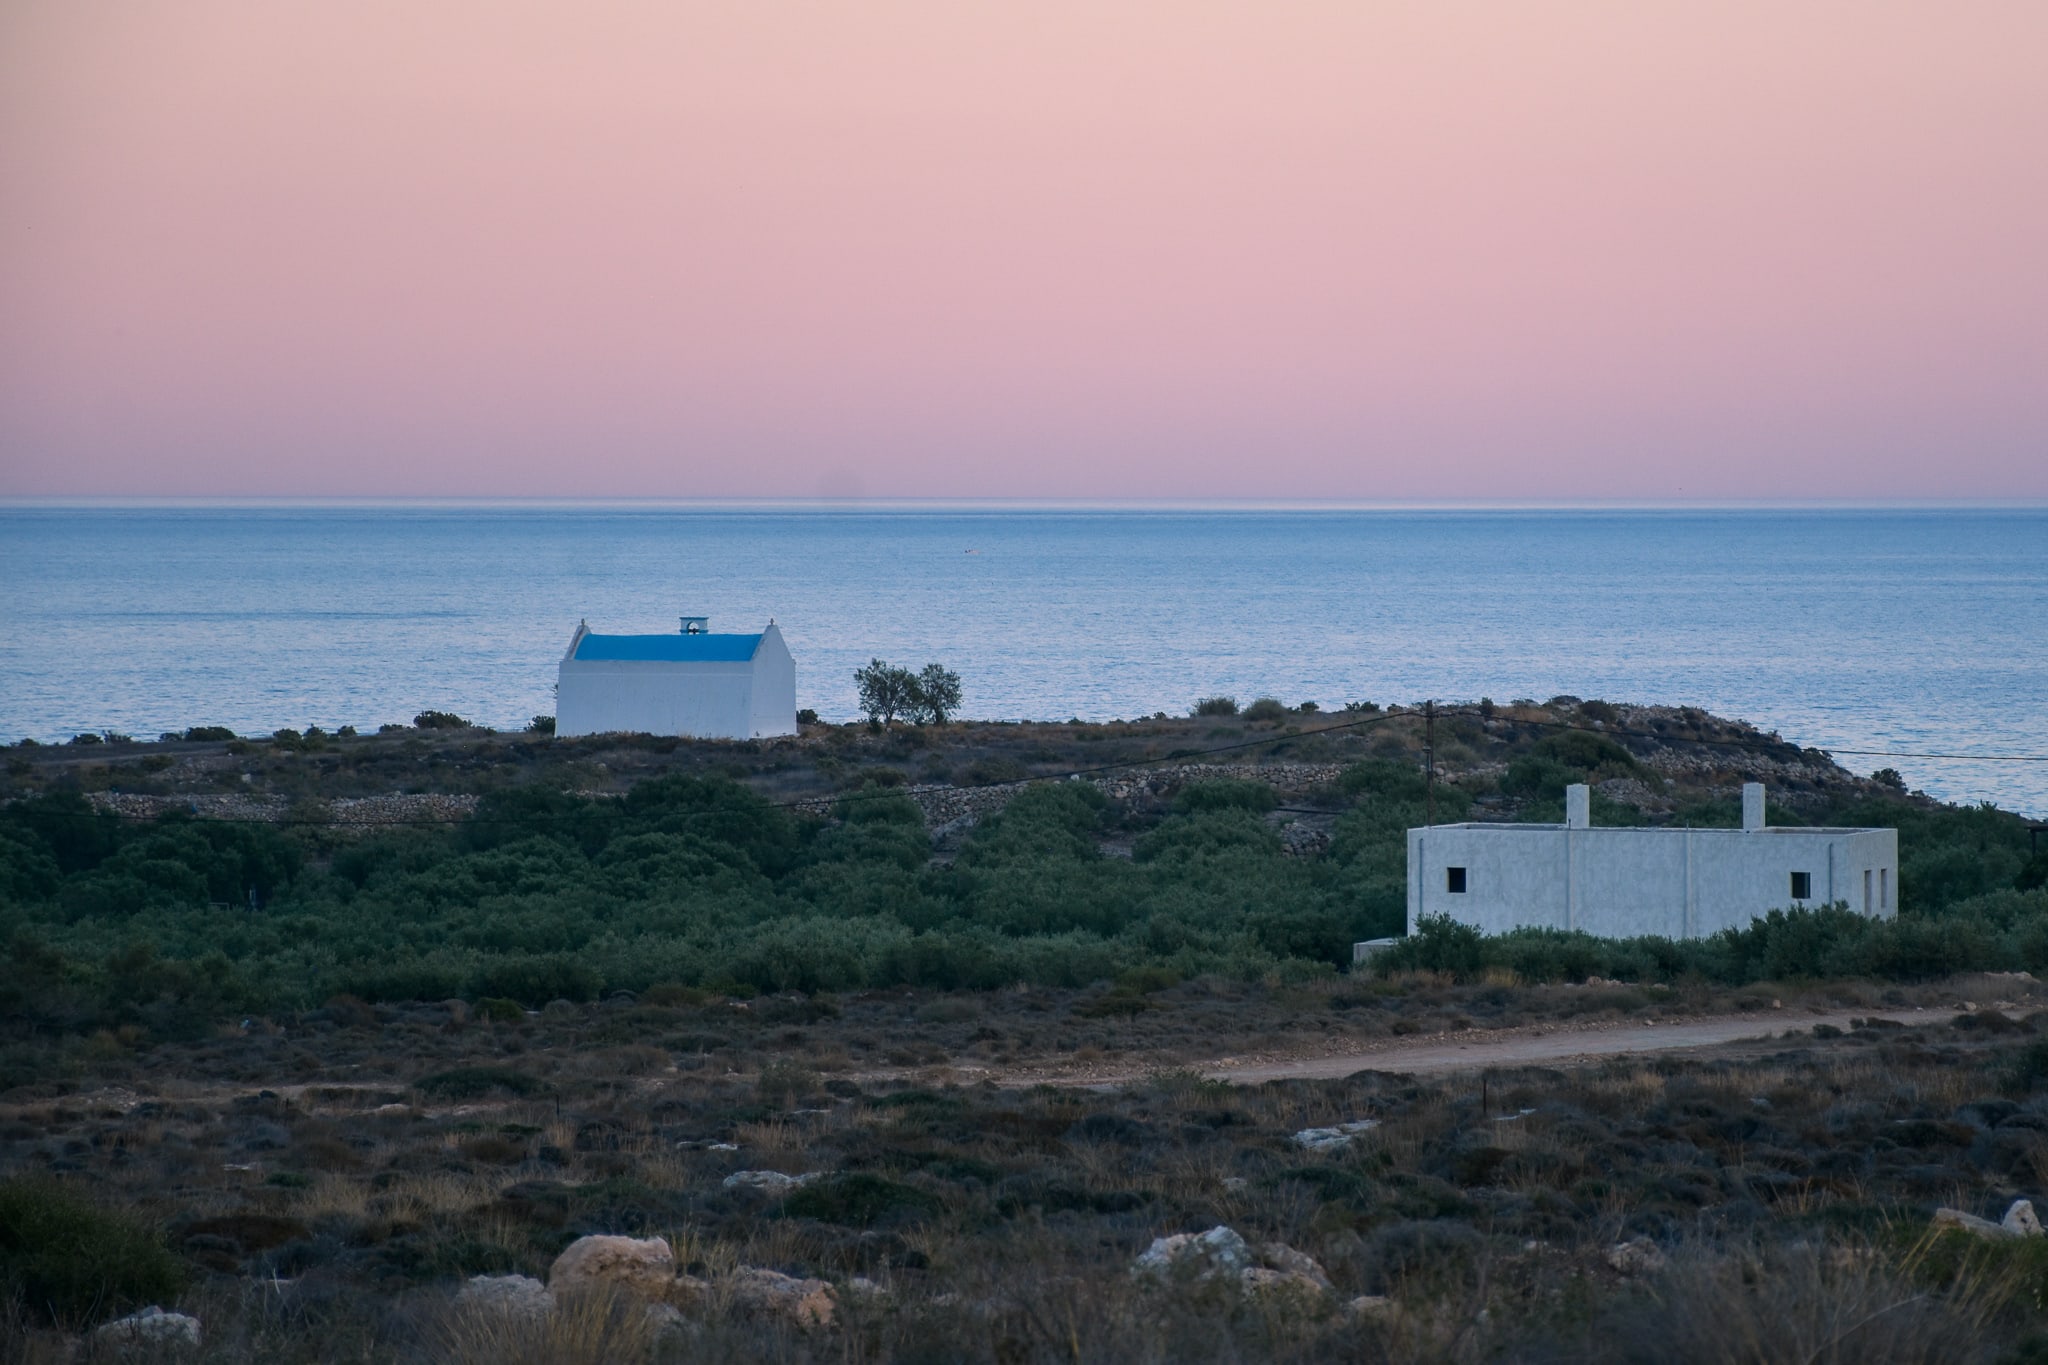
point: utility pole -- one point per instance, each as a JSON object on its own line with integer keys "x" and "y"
{"x": 1429, "y": 756}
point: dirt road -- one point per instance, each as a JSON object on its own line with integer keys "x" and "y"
{"x": 1547, "y": 1046}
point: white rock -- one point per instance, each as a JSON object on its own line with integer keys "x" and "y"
{"x": 644, "y": 1265}
{"x": 1638, "y": 1257}
{"x": 806, "y": 1302}
{"x": 1272, "y": 1283}
{"x": 1221, "y": 1256}
{"x": 518, "y": 1296}
{"x": 767, "y": 1182}
{"x": 151, "y": 1327}
{"x": 1958, "y": 1221}
{"x": 662, "y": 1318}
{"x": 1280, "y": 1259}
{"x": 1334, "y": 1139}
{"x": 1219, "y": 1252}
{"x": 2020, "y": 1220}
{"x": 1372, "y": 1307}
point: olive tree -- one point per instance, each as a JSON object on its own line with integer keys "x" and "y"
{"x": 886, "y": 691}
{"x": 935, "y": 694}
{"x": 927, "y": 697}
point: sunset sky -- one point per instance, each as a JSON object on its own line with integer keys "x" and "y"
{"x": 1285, "y": 250}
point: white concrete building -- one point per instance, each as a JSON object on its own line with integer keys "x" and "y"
{"x": 1625, "y": 882}
{"x": 690, "y": 683}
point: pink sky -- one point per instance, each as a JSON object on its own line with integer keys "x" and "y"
{"x": 1437, "y": 250}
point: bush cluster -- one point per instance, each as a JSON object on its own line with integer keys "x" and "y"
{"x": 166, "y": 927}
{"x": 69, "y": 1262}
{"x": 699, "y": 882}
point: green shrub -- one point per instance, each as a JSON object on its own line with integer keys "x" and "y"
{"x": 1266, "y": 709}
{"x": 1117, "y": 1004}
{"x": 1225, "y": 793}
{"x": 71, "y": 1263}
{"x": 1539, "y": 778}
{"x": 1215, "y": 706}
{"x": 439, "y": 720}
{"x": 1379, "y": 777}
{"x": 1585, "y": 751}
{"x": 537, "y": 980}
{"x": 468, "y": 1082}
{"x": 1439, "y": 944}
{"x": 541, "y": 725}
{"x": 990, "y": 771}
{"x": 860, "y": 1200}
{"x": 209, "y": 732}
{"x": 498, "y": 1009}
{"x": 2027, "y": 1069}
{"x": 1147, "y": 980}
{"x": 783, "y": 1082}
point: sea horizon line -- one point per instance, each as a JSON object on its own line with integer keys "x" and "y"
{"x": 123, "y": 502}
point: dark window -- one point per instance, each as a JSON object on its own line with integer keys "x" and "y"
{"x": 1454, "y": 879}
{"x": 1802, "y": 886}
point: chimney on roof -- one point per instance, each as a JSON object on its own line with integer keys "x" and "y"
{"x": 696, "y": 625}
{"x": 1752, "y": 805}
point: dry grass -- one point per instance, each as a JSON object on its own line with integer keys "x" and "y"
{"x": 590, "y": 1328}
{"x": 1004, "y": 1222}
{"x": 1801, "y": 1306}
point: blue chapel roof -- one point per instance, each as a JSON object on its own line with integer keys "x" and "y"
{"x": 676, "y": 648}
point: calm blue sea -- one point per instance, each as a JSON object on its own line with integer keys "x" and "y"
{"x": 1917, "y": 630}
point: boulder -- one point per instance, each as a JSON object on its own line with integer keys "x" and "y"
{"x": 808, "y": 1303}
{"x": 1372, "y": 1308}
{"x": 767, "y": 1182}
{"x": 1268, "y": 1283}
{"x": 1334, "y": 1139}
{"x": 1638, "y": 1257}
{"x": 1201, "y": 1256}
{"x": 1220, "y": 1255}
{"x": 1296, "y": 1267}
{"x": 2019, "y": 1221}
{"x": 1955, "y": 1220}
{"x": 663, "y": 1319}
{"x": 513, "y": 1296}
{"x": 152, "y": 1329}
{"x": 642, "y": 1265}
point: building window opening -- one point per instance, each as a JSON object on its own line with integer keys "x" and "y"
{"x": 1802, "y": 886}
{"x": 1868, "y": 904}
{"x": 1884, "y": 888}
{"x": 1454, "y": 880}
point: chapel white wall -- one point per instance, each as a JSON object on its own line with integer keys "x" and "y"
{"x": 701, "y": 700}
{"x": 773, "y": 705}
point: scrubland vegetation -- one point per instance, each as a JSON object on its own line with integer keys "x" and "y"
{"x": 302, "y": 1075}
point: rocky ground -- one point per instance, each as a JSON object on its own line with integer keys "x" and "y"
{"x": 804, "y": 1178}
{"x": 955, "y": 774}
